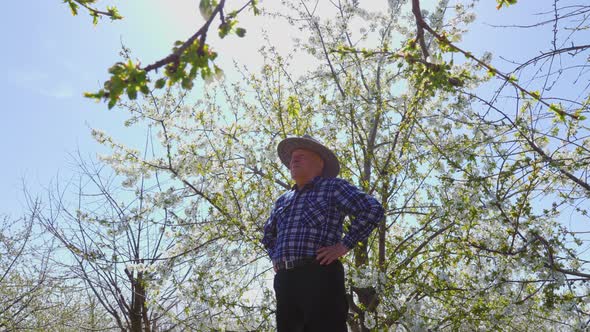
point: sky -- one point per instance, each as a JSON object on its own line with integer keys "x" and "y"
{"x": 51, "y": 58}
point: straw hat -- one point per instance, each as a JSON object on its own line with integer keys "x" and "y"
{"x": 288, "y": 145}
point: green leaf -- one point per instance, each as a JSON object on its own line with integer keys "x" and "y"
{"x": 293, "y": 106}
{"x": 241, "y": 32}
{"x": 112, "y": 103}
{"x": 254, "y": 7}
{"x": 187, "y": 83}
{"x": 226, "y": 27}
{"x": 218, "y": 72}
{"x": 117, "y": 68}
{"x": 160, "y": 83}
{"x": 223, "y": 30}
{"x": 144, "y": 89}
{"x": 502, "y": 3}
{"x": 114, "y": 13}
{"x": 98, "y": 95}
{"x": 206, "y": 8}
{"x": 73, "y": 8}
{"x": 491, "y": 73}
{"x": 559, "y": 112}
{"x": 512, "y": 79}
{"x": 132, "y": 92}
{"x": 536, "y": 94}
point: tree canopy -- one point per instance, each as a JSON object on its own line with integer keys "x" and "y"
{"x": 481, "y": 161}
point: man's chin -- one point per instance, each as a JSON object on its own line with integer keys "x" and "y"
{"x": 295, "y": 175}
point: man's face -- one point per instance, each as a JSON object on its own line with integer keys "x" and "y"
{"x": 305, "y": 164}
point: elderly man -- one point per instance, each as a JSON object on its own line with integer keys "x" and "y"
{"x": 303, "y": 237}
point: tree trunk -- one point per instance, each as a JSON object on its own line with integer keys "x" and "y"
{"x": 136, "y": 315}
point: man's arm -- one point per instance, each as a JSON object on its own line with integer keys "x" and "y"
{"x": 269, "y": 237}
{"x": 367, "y": 211}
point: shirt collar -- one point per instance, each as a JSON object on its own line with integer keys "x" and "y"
{"x": 309, "y": 185}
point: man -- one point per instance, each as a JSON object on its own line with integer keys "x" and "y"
{"x": 303, "y": 237}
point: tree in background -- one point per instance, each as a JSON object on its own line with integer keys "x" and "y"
{"x": 131, "y": 252}
{"x": 220, "y": 199}
{"x": 19, "y": 288}
{"x": 32, "y": 296}
{"x": 474, "y": 184}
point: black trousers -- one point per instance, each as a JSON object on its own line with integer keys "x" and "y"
{"x": 311, "y": 298}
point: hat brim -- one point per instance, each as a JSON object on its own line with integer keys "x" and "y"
{"x": 288, "y": 145}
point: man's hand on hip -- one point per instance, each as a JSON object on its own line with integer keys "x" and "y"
{"x": 326, "y": 255}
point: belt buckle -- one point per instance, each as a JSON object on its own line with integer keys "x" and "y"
{"x": 289, "y": 265}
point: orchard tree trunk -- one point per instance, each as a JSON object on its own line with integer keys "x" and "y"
{"x": 138, "y": 311}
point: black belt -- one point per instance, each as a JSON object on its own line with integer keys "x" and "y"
{"x": 288, "y": 265}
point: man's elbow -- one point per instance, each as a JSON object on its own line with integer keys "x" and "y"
{"x": 378, "y": 212}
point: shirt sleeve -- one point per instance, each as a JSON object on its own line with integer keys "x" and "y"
{"x": 367, "y": 212}
{"x": 269, "y": 237}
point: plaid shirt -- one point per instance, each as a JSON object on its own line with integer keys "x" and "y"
{"x": 304, "y": 220}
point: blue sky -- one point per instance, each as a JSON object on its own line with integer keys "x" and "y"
{"x": 51, "y": 58}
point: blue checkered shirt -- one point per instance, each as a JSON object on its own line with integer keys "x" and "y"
{"x": 304, "y": 220}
